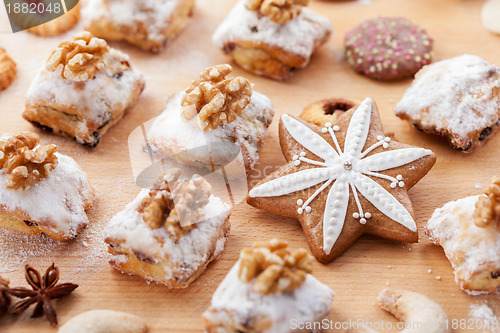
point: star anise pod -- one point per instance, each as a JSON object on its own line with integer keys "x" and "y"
{"x": 44, "y": 289}
{"x": 4, "y": 296}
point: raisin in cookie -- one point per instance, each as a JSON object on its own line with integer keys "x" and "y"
{"x": 457, "y": 98}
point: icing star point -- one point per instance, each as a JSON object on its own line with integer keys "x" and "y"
{"x": 344, "y": 173}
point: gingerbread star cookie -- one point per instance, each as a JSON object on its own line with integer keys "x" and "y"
{"x": 344, "y": 180}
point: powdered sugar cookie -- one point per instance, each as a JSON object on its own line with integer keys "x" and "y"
{"x": 147, "y": 24}
{"x": 169, "y": 234}
{"x": 343, "y": 180}
{"x": 489, "y": 15}
{"x": 217, "y": 111}
{"x": 457, "y": 98}
{"x": 388, "y": 48}
{"x": 272, "y": 38}
{"x": 7, "y": 70}
{"x": 269, "y": 288}
{"x": 411, "y": 307}
{"x": 41, "y": 191}
{"x": 104, "y": 321}
{"x": 470, "y": 237}
{"x": 83, "y": 90}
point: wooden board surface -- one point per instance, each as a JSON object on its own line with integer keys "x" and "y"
{"x": 357, "y": 276}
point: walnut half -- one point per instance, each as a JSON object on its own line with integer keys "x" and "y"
{"x": 81, "y": 57}
{"x": 215, "y": 99}
{"x": 278, "y": 11}
{"x": 488, "y": 206}
{"x": 25, "y": 161}
{"x": 274, "y": 266}
{"x": 176, "y": 210}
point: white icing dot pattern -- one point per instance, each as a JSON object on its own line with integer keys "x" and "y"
{"x": 344, "y": 170}
{"x": 384, "y": 201}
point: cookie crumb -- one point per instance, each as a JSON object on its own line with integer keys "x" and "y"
{"x": 438, "y": 278}
{"x": 429, "y": 271}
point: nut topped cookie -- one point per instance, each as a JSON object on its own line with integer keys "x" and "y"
{"x": 272, "y": 38}
{"x": 221, "y": 113}
{"x": 83, "y": 90}
{"x": 488, "y": 205}
{"x": 469, "y": 232}
{"x": 267, "y": 288}
{"x": 457, "y": 98}
{"x": 344, "y": 180}
{"x": 41, "y": 191}
{"x": 147, "y": 24}
{"x": 169, "y": 234}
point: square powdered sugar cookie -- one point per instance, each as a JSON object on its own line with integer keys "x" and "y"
{"x": 269, "y": 290}
{"x": 147, "y": 24}
{"x": 473, "y": 251}
{"x": 457, "y": 98}
{"x": 169, "y": 234}
{"x": 41, "y": 191}
{"x": 220, "y": 113}
{"x": 83, "y": 90}
{"x": 271, "y": 39}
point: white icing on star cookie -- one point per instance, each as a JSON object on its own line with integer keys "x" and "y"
{"x": 347, "y": 170}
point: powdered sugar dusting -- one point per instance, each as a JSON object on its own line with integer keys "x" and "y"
{"x": 457, "y": 93}
{"x": 485, "y": 315}
{"x": 152, "y": 15}
{"x": 57, "y": 202}
{"x": 17, "y": 250}
{"x": 470, "y": 249}
{"x": 99, "y": 95}
{"x": 236, "y": 301}
{"x": 169, "y": 133}
{"x": 193, "y": 248}
{"x": 299, "y": 36}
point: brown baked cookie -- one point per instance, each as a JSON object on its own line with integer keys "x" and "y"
{"x": 326, "y": 110}
{"x": 59, "y": 25}
{"x": 344, "y": 180}
{"x": 272, "y": 38}
{"x": 388, "y": 48}
{"x": 8, "y": 70}
{"x": 147, "y": 24}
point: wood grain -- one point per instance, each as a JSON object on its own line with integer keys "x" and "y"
{"x": 357, "y": 276}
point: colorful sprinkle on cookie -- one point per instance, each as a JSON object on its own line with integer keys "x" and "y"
{"x": 388, "y": 48}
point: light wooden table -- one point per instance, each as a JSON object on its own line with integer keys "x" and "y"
{"x": 357, "y": 276}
